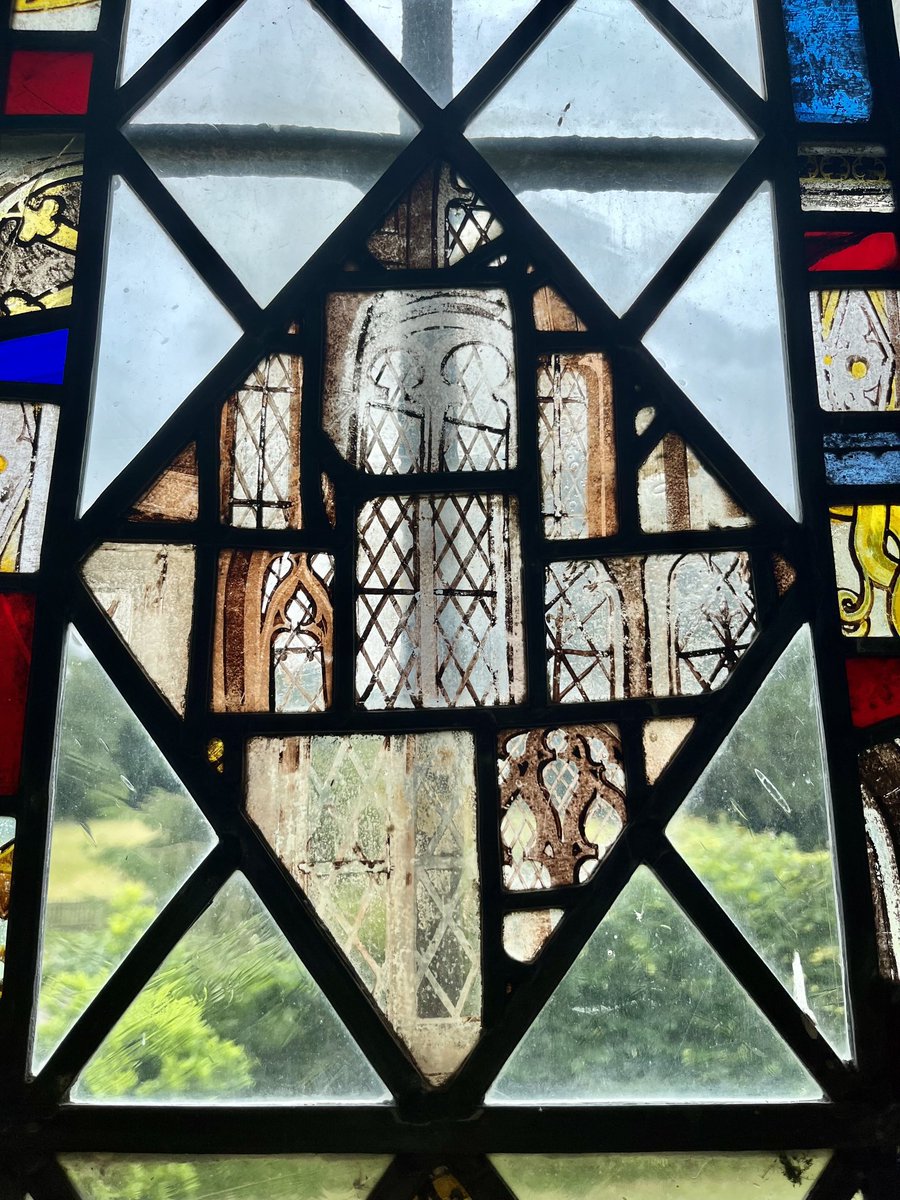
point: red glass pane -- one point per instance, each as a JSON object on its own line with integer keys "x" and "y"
{"x": 45, "y": 82}
{"x": 852, "y": 251}
{"x": 16, "y": 627}
{"x": 874, "y": 689}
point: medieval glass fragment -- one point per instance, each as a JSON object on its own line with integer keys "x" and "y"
{"x": 254, "y": 1024}
{"x": 174, "y": 494}
{"x": 657, "y": 625}
{"x": 845, "y": 178}
{"x": 274, "y": 630}
{"x": 147, "y": 592}
{"x": 438, "y": 609}
{"x": 662, "y": 739}
{"x": 874, "y": 687}
{"x": 7, "y": 855}
{"x": 864, "y": 539}
{"x": 16, "y": 629}
{"x": 27, "y": 442}
{"x": 48, "y": 82}
{"x": 829, "y": 71}
{"x": 562, "y": 803}
{"x": 51, "y": 15}
{"x": 38, "y": 358}
{"x": 879, "y": 775}
{"x": 856, "y": 336}
{"x": 851, "y": 250}
{"x": 124, "y": 837}
{"x": 862, "y": 459}
{"x": 676, "y": 492}
{"x": 379, "y": 832}
{"x": 421, "y": 380}
{"x": 526, "y": 933}
{"x": 553, "y": 314}
{"x": 756, "y": 828}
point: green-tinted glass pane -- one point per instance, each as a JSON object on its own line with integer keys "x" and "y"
{"x": 229, "y": 1177}
{"x": 231, "y": 1014}
{"x": 756, "y": 829}
{"x": 648, "y": 1012}
{"x": 125, "y": 835}
{"x": 662, "y": 1176}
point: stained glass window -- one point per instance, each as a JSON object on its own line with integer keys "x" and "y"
{"x": 449, "y": 599}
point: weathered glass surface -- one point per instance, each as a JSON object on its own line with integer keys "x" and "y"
{"x": 864, "y": 459}
{"x": 879, "y": 776}
{"x": 274, "y": 631}
{"x": 756, "y": 828}
{"x": 874, "y": 687}
{"x": 845, "y": 178}
{"x": 526, "y": 933}
{"x": 40, "y": 200}
{"x": 7, "y": 854}
{"x": 162, "y": 330}
{"x": 787, "y": 1175}
{"x": 148, "y": 24}
{"x": 421, "y": 380}
{"x": 867, "y": 566}
{"x": 27, "y": 442}
{"x": 231, "y": 1014}
{"x": 603, "y": 163}
{"x": 643, "y": 419}
{"x": 829, "y": 71}
{"x": 379, "y": 832}
{"x": 124, "y": 837}
{"x": 676, "y": 492}
{"x": 856, "y": 337}
{"x": 577, "y": 445}
{"x": 720, "y": 338}
{"x": 648, "y": 1012}
{"x": 733, "y": 30}
{"x": 50, "y": 14}
{"x": 48, "y": 82}
{"x": 38, "y": 358}
{"x": 784, "y": 572}
{"x": 16, "y": 629}
{"x": 851, "y": 250}
{"x": 662, "y": 739}
{"x": 438, "y": 608}
{"x": 147, "y": 592}
{"x": 437, "y": 223}
{"x": 224, "y": 1177}
{"x": 442, "y": 45}
{"x": 174, "y": 494}
{"x": 656, "y": 625}
{"x": 259, "y": 473}
{"x": 554, "y": 314}
{"x": 562, "y": 803}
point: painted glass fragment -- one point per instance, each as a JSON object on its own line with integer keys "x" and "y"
{"x": 40, "y": 200}
{"x": 643, "y": 419}
{"x": 656, "y": 625}
{"x": 379, "y": 832}
{"x": 56, "y": 15}
{"x": 421, "y": 380}
{"x": 851, "y": 251}
{"x": 787, "y": 1175}
{"x": 784, "y": 572}
{"x": 554, "y": 314}
{"x": 259, "y": 476}
{"x": 148, "y": 284}
{"x": 676, "y": 492}
{"x": 147, "y": 592}
{"x": 856, "y": 337}
{"x": 16, "y": 629}
{"x": 274, "y": 630}
{"x": 174, "y": 494}
{"x": 7, "y": 854}
{"x": 260, "y": 1028}
{"x": 562, "y": 803}
{"x": 124, "y": 837}
{"x": 732, "y": 301}
{"x": 864, "y": 539}
{"x": 225, "y": 1177}
{"x": 648, "y": 1012}
{"x": 756, "y": 828}
{"x": 829, "y": 70}
{"x": 879, "y": 774}
{"x": 48, "y": 81}
{"x": 845, "y": 178}
{"x": 874, "y": 686}
{"x": 862, "y": 458}
{"x": 526, "y": 933}
{"x": 27, "y": 442}
{"x": 437, "y": 223}
{"x": 39, "y": 358}
{"x": 438, "y": 609}
{"x": 441, "y": 1184}
{"x": 662, "y": 739}
{"x": 577, "y": 445}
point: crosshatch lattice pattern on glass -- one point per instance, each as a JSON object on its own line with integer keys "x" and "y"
{"x": 450, "y": 687}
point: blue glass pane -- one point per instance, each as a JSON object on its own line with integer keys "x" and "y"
{"x": 861, "y": 458}
{"x": 40, "y": 358}
{"x": 829, "y": 73}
